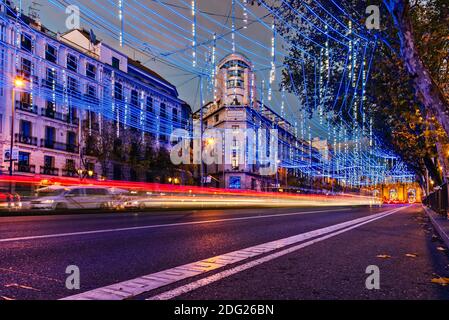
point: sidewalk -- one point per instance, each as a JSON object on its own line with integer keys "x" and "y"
{"x": 440, "y": 223}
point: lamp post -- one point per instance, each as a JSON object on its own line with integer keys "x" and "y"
{"x": 18, "y": 83}
{"x": 85, "y": 173}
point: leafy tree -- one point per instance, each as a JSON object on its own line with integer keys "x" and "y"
{"x": 409, "y": 87}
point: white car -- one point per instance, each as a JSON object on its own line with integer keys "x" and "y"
{"x": 74, "y": 197}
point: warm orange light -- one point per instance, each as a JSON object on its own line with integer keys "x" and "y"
{"x": 19, "y": 83}
{"x": 210, "y": 141}
{"x": 90, "y": 173}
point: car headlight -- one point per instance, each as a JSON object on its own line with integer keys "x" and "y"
{"x": 47, "y": 201}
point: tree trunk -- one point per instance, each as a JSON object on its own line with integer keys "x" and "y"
{"x": 428, "y": 92}
{"x": 441, "y": 154}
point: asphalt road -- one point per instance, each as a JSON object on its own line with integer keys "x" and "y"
{"x": 115, "y": 247}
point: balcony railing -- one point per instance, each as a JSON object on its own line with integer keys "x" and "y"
{"x": 49, "y": 144}
{"x": 93, "y": 125}
{"x": 69, "y": 173}
{"x": 27, "y": 168}
{"x": 48, "y": 113}
{"x": 49, "y": 171}
{"x": 25, "y": 106}
{"x": 46, "y": 83}
{"x": 20, "y": 138}
{"x": 91, "y": 99}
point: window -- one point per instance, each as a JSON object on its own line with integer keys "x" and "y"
{"x": 2, "y": 32}
{"x": 71, "y": 138}
{"x": 25, "y": 99}
{"x": 149, "y": 104}
{"x": 91, "y": 91}
{"x": 91, "y": 71}
{"x": 25, "y": 128}
{"x": 217, "y": 117}
{"x": 70, "y": 165}
{"x": 175, "y": 115}
{"x": 71, "y": 141}
{"x": 27, "y": 68}
{"x": 72, "y": 84}
{"x": 26, "y": 42}
{"x": 235, "y": 73}
{"x": 51, "y": 54}
{"x": 72, "y": 63}
{"x": 234, "y": 83}
{"x": 134, "y": 98}
{"x": 24, "y": 158}
{"x": 51, "y": 75}
{"x": 50, "y": 137}
{"x": 115, "y": 63}
{"x": 163, "y": 111}
{"x": 50, "y": 109}
{"x": 49, "y": 162}
{"x": 118, "y": 91}
{"x": 235, "y": 163}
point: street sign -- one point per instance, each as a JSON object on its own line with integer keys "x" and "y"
{"x": 207, "y": 179}
{"x": 7, "y": 153}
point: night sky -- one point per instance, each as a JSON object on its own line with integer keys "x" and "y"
{"x": 164, "y": 30}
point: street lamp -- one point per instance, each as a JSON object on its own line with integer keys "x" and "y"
{"x": 18, "y": 83}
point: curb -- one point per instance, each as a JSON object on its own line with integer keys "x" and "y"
{"x": 443, "y": 234}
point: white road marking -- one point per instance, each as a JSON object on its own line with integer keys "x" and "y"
{"x": 140, "y": 285}
{"x": 170, "y": 294}
{"x": 163, "y": 225}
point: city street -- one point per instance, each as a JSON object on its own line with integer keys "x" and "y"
{"x": 329, "y": 263}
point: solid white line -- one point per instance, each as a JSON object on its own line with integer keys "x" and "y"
{"x": 163, "y": 225}
{"x": 224, "y": 274}
{"x": 130, "y": 288}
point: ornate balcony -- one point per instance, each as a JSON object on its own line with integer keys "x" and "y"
{"x": 48, "y": 113}
{"x": 25, "y": 106}
{"x": 49, "y": 171}
{"x": 20, "y": 138}
{"x": 27, "y": 168}
{"x": 49, "y": 144}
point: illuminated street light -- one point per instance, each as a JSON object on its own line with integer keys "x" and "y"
{"x": 210, "y": 141}
{"x": 18, "y": 83}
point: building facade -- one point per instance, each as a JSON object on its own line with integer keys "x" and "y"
{"x": 236, "y": 107}
{"x": 78, "y": 99}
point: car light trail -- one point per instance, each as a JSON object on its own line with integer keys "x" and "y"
{"x": 142, "y": 195}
